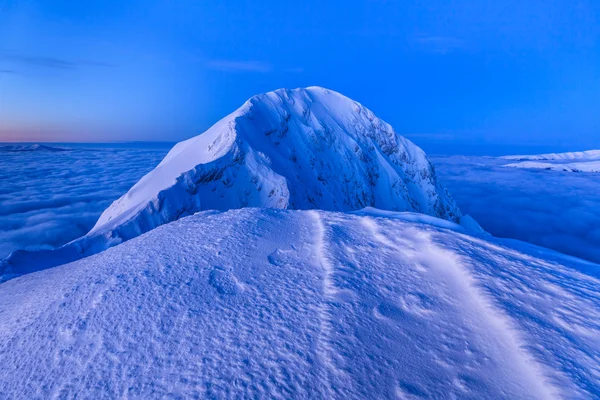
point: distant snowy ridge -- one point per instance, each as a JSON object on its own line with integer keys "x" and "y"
{"x": 586, "y": 161}
{"x": 589, "y": 155}
{"x": 29, "y": 147}
{"x": 589, "y": 166}
{"x": 300, "y": 149}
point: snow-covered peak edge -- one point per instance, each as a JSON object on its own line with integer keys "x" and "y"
{"x": 307, "y": 148}
{"x": 588, "y": 155}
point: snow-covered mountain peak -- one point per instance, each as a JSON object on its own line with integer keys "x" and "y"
{"x": 307, "y": 148}
{"x": 302, "y": 148}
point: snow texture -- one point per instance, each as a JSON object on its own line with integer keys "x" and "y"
{"x": 301, "y": 149}
{"x": 266, "y": 303}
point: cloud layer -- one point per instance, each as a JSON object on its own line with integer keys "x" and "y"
{"x": 50, "y": 198}
{"x": 20, "y": 59}
{"x": 558, "y": 210}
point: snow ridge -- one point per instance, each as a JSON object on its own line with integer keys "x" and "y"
{"x": 479, "y": 302}
{"x": 589, "y": 155}
{"x": 583, "y": 166}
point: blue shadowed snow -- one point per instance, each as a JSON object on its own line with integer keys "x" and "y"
{"x": 264, "y": 303}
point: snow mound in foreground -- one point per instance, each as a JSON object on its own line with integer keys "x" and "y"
{"x": 259, "y": 303}
{"x": 301, "y": 149}
{"x": 589, "y": 155}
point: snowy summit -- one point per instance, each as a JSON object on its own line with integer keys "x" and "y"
{"x": 299, "y": 149}
{"x": 307, "y": 148}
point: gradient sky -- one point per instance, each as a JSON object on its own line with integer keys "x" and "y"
{"x": 442, "y": 72}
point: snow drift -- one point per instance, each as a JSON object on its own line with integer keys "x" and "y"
{"x": 264, "y": 303}
{"x": 300, "y": 149}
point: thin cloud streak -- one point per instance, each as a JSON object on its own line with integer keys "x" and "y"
{"x": 48, "y": 62}
{"x": 239, "y": 66}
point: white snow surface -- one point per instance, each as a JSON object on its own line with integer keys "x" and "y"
{"x": 266, "y": 303}
{"x": 589, "y": 155}
{"x": 307, "y": 148}
{"x": 584, "y": 166}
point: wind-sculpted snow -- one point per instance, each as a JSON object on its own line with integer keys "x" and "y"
{"x": 49, "y": 198}
{"x": 264, "y": 303}
{"x": 300, "y": 149}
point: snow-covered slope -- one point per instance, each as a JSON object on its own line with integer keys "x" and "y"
{"x": 584, "y": 166}
{"x": 263, "y": 303}
{"x": 301, "y": 149}
{"x": 589, "y": 155}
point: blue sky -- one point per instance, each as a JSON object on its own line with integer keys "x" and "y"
{"x": 446, "y": 73}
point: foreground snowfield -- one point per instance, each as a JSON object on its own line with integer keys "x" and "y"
{"x": 280, "y": 303}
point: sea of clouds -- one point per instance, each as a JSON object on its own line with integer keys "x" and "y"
{"x": 554, "y": 209}
{"x": 52, "y": 195}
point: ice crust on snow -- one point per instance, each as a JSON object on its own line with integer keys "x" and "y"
{"x": 265, "y": 303}
{"x": 307, "y": 148}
